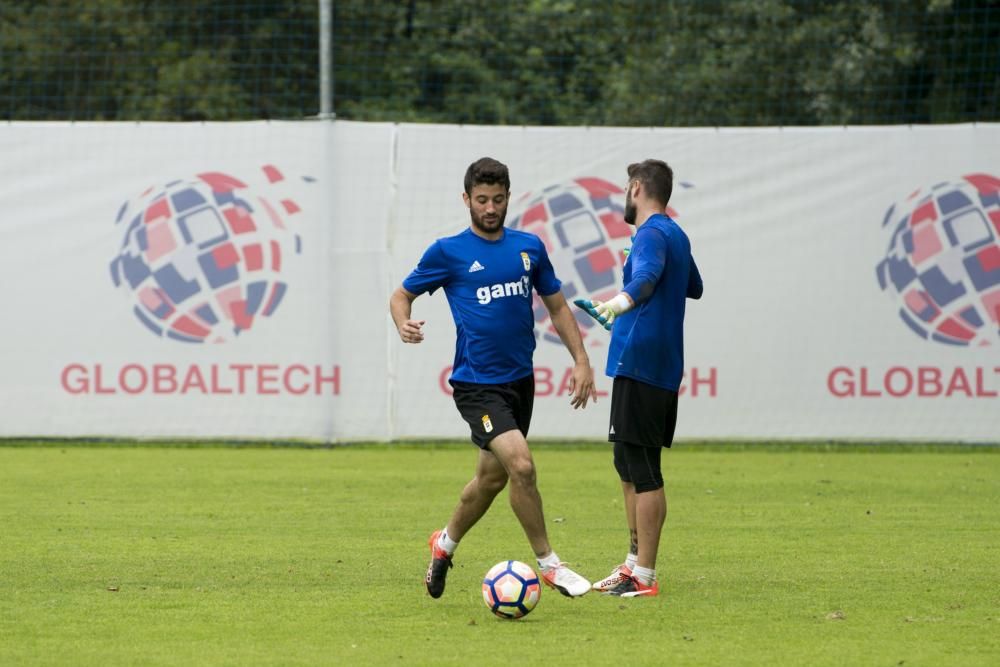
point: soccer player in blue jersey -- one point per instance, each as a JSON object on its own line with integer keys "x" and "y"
{"x": 646, "y": 360}
{"x": 488, "y": 273}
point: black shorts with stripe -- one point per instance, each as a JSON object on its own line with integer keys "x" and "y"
{"x": 492, "y": 409}
{"x": 642, "y": 414}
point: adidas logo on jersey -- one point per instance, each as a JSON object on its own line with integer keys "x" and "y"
{"x": 476, "y": 266}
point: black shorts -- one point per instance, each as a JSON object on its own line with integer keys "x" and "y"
{"x": 492, "y": 409}
{"x": 642, "y": 414}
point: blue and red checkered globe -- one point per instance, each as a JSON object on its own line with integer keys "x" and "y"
{"x": 580, "y": 221}
{"x": 942, "y": 265}
{"x": 201, "y": 259}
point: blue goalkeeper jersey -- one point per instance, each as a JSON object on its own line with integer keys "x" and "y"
{"x": 647, "y": 342}
{"x": 488, "y": 285}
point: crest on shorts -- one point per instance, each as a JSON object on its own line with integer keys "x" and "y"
{"x": 526, "y": 260}
{"x": 487, "y": 424}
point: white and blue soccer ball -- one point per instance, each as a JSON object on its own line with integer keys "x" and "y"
{"x": 511, "y": 589}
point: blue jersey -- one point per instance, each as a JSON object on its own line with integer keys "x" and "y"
{"x": 488, "y": 285}
{"x": 647, "y": 342}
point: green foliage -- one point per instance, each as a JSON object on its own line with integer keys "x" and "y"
{"x": 126, "y": 555}
{"x": 127, "y": 60}
{"x": 540, "y": 62}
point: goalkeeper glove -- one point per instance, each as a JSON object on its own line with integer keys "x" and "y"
{"x": 605, "y": 312}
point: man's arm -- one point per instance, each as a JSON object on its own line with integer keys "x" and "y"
{"x": 582, "y": 384}
{"x": 649, "y": 259}
{"x": 695, "y": 287}
{"x": 400, "y": 306}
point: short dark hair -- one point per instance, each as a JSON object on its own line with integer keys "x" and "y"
{"x": 486, "y": 171}
{"x": 657, "y": 179}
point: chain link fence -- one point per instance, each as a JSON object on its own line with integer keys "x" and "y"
{"x": 536, "y": 62}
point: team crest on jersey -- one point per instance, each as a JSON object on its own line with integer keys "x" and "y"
{"x": 487, "y": 424}
{"x": 526, "y": 260}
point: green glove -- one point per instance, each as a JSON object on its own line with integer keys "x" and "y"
{"x": 599, "y": 310}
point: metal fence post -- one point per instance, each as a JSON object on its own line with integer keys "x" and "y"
{"x": 326, "y": 59}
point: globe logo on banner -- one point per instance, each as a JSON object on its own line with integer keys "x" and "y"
{"x": 201, "y": 259}
{"x": 942, "y": 265}
{"x": 582, "y": 226}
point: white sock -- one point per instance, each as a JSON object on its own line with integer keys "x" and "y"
{"x": 630, "y": 561}
{"x": 549, "y": 562}
{"x": 446, "y": 543}
{"x": 644, "y": 574}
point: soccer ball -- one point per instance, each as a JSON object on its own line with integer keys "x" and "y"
{"x": 511, "y": 589}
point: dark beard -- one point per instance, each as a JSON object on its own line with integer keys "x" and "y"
{"x": 488, "y": 227}
{"x": 631, "y": 212}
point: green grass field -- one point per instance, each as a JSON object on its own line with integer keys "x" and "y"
{"x": 120, "y": 555}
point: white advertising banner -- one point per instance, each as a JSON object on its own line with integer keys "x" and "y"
{"x": 231, "y": 280}
{"x": 852, "y": 275}
{"x": 182, "y": 280}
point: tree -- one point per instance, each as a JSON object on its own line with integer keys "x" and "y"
{"x": 548, "y": 62}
